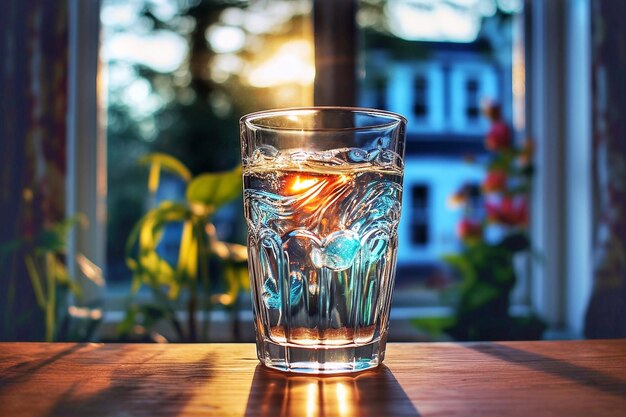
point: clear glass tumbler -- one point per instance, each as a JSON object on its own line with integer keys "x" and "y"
{"x": 322, "y": 200}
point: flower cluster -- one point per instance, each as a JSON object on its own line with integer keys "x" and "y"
{"x": 494, "y": 230}
{"x": 505, "y": 188}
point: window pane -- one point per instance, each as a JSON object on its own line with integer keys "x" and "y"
{"x": 436, "y": 62}
{"x": 180, "y": 74}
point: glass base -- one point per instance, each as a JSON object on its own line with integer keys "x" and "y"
{"x": 321, "y": 360}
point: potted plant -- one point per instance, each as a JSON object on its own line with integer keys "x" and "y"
{"x": 207, "y": 271}
{"x": 493, "y": 232}
{"x": 56, "y": 291}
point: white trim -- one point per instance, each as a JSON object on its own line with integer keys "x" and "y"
{"x": 559, "y": 118}
{"x": 578, "y": 167}
{"x": 86, "y": 143}
{"x": 544, "y": 125}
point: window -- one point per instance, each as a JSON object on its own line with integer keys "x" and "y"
{"x": 180, "y": 75}
{"x": 420, "y": 99}
{"x": 440, "y": 113}
{"x": 472, "y": 106}
{"x": 438, "y": 76}
{"x": 419, "y": 215}
{"x": 217, "y": 61}
{"x": 380, "y": 91}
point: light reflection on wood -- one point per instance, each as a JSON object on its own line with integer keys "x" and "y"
{"x": 517, "y": 379}
{"x": 370, "y": 393}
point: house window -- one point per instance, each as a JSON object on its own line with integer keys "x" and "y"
{"x": 420, "y": 215}
{"x": 475, "y": 203}
{"x": 472, "y": 103}
{"x": 380, "y": 92}
{"x": 420, "y": 98}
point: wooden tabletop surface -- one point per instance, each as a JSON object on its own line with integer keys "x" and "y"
{"x": 574, "y": 378}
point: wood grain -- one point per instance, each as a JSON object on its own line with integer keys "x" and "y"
{"x": 575, "y": 378}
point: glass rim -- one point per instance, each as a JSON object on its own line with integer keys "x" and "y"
{"x": 250, "y": 118}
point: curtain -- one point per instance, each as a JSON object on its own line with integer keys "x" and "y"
{"x": 33, "y": 77}
{"x": 606, "y": 315}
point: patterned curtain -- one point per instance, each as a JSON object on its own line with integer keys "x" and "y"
{"x": 33, "y": 106}
{"x": 606, "y": 315}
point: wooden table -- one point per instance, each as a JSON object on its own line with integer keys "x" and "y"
{"x": 575, "y": 378}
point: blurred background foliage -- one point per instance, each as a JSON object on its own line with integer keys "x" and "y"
{"x": 194, "y": 68}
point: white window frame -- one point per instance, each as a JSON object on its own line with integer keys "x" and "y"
{"x": 86, "y": 180}
{"x": 559, "y": 118}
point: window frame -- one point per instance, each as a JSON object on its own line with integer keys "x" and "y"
{"x": 86, "y": 179}
{"x": 558, "y": 116}
{"x": 558, "y": 107}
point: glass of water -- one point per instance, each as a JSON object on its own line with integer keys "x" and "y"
{"x": 322, "y": 200}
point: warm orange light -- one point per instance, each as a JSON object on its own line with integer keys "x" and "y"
{"x": 301, "y": 182}
{"x": 314, "y": 191}
{"x": 312, "y": 399}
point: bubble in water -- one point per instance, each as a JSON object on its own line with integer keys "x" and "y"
{"x": 386, "y": 158}
{"x": 338, "y": 252}
{"x": 270, "y": 295}
{"x": 357, "y": 155}
{"x": 386, "y": 207}
{"x": 265, "y": 152}
{"x": 382, "y": 142}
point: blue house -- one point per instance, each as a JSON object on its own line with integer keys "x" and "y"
{"x": 440, "y": 91}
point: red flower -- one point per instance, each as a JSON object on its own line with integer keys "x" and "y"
{"x": 508, "y": 211}
{"x": 495, "y": 181}
{"x": 499, "y": 137}
{"x": 469, "y": 230}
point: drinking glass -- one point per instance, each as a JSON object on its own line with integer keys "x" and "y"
{"x": 322, "y": 200}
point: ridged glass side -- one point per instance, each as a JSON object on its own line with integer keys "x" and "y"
{"x": 322, "y": 261}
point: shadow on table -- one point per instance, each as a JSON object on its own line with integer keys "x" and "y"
{"x": 22, "y": 371}
{"x": 139, "y": 387}
{"x": 370, "y": 393}
{"x": 560, "y": 368}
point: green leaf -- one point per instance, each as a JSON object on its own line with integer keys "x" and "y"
{"x": 136, "y": 282}
{"x": 126, "y": 326}
{"x": 187, "y": 267}
{"x": 62, "y": 277}
{"x": 10, "y": 247}
{"x": 167, "y": 163}
{"x": 435, "y": 326}
{"x": 207, "y": 192}
{"x": 155, "y": 269}
{"x": 479, "y": 295}
{"x": 237, "y": 279}
{"x": 233, "y": 252}
{"x": 463, "y": 266}
{"x": 54, "y": 239}
{"x": 35, "y": 280}
{"x": 148, "y": 229}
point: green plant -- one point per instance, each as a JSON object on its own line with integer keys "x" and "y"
{"x": 44, "y": 259}
{"x": 492, "y": 233}
{"x": 206, "y": 272}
